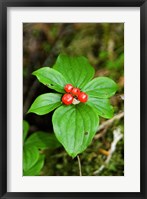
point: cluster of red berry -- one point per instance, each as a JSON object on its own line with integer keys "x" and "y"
{"x": 73, "y": 93}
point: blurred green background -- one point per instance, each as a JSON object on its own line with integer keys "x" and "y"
{"x": 103, "y": 45}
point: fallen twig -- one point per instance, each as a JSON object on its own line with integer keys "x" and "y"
{"x": 106, "y": 124}
{"x": 117, "y": 136}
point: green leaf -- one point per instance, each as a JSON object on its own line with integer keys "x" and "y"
{"x": 45, "y": 103}
{"x": 35, "y": 170}
{"x": 25, "y": 129}
{"x": 51, "y": 78}
{"x": 102, "y": 106}
{"x": 102, "y": 87}
{"x": 30, "y": 156}
{"x": 76, "y": 70}
{"x": 42, "y": 140}
{"x": 75, "y": 126}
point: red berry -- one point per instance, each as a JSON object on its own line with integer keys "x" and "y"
{"x": 68, "y": 88}
{"x": 83, "y": 97}
{"x": 75, "y": 91}
{"x": 67, "y": 99}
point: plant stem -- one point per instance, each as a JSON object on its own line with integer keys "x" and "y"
{"x": 79, "y": 163}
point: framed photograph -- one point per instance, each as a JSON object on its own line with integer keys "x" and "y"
{"x": 73, "y": 99}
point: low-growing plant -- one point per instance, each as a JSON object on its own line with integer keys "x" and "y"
{"x": 33, "y": 146}
{"x": 79, "y": 100}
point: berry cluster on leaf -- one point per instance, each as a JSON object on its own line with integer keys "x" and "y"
{"x": 73, "y": 95}
{"x": 79, "y": 101}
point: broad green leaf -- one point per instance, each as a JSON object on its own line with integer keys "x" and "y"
{"x": 35, "y": 169}
{"x": 75, "y": 126}
{"x": 30, "y": 156}
{"x": 102, "y": 87}
{"x": 51, "y": 78}
{"x": 25, "y": 129}
{"x": 102, "y": 106}
{"x": 42, "y": 140}
{"x": 45, "y": 103}
{"x": 76, "y": 70}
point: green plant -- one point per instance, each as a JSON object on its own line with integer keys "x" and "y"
{"x": 76, "y": 124}
{"x": 33, "y": 146}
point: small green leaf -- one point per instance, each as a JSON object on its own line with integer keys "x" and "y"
{"x": 51, "y": 78}
{"x": 76, "y": 70}
{"x": 42, "y": 140}
{"x": 102, "y": 106}
{"x": 45, "y": 103}
{"x": 75, "y": 126}
{"x": 35, "y": 170}
{"x": 30, "y": 156}
{"x": 25, "y": 129}
{"x": 102, "y": 87}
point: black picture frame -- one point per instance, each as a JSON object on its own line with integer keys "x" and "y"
{"x": 4, "y": 4}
